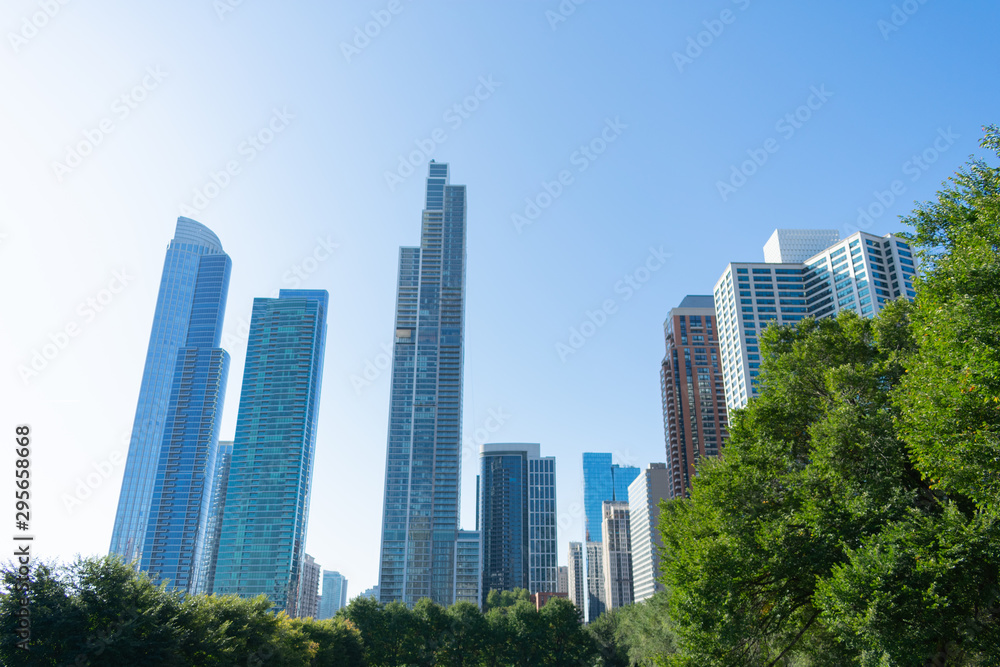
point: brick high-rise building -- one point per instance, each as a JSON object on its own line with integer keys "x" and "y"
{"x": 691, "y": 384}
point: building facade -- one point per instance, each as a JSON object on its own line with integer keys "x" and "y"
{"x": 563, "y": 585}
{"x": 189, "y": 312}
{"x": 577, "y": 580}
{"x": 213, "y": 524}
{"x": 420, "y": 520}
{"x": 517, "y": 518}
{"x": 266, "y": 511}
{"x": 695, "y": 420}
{"x": 644, "y": 496}
{"x": 860, "y": 273}
{"x": 616, "y": 554}
{"x": 334, "y": 595}
{"x": 182, "y": 494}
{"x": 468, "y": 567}
{"x": 602, "y": 481}
{"x": 308, "y": 606}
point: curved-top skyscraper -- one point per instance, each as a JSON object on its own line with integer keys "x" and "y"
{"x": 189, "y": 312}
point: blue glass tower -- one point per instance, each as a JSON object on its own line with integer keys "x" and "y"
{"x": 602, "y": 481}
{"x": 517, "y": 512}
{"x": 213, "y": 524}
{"x": 266, "y": 512}
{"x": 423, "y": 453}
{"x": 189, "y": 311}
{"x": 503, "y": 499}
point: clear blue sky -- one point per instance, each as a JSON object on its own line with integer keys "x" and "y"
{"x": 198, "y": 79}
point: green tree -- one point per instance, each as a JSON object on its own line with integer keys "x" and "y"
{"x": 565, "y": 641}
{"x": 812, "y": 467}
{"x": 950, "y": 398}
{"x": 925, "y": 590}
{"x": 466, "y": 637}
{"x": 338, "y": 642}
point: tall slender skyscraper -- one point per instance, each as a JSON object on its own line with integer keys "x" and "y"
{"x": 189, "y": 313}
{"x": 420, "y": 514}
{"x": 267, "y": 501}
{"x": 602, "y": 481}
{"x": 517, "y": 516}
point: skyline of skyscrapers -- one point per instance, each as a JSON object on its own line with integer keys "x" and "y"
{"x": 266, "y": 511}
{"x": 691, "y": 385}
{"x": 420, "y": 520}
{"x": 231, "y": 517}
{"x": 190, "y": 308}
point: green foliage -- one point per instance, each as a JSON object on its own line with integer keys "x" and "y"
{"x": 812, "y": 467}
{"x": 503, "y": 599}
{"x": 950, "y": 398}
{"x": 853, "y": 517}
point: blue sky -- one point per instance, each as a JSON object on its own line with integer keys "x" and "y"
{"x": 642, "y": 108}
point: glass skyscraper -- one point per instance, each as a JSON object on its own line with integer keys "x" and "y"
{"x": 602, "y": 481}
{"x": 420, "y": 515}
{"x": 517, "y": 518}
{"x": 213, "y": 524}
{"x": 334, "y": 594}
{"x": 266, "y": 512}
{"x": 468, "y": 568}
{"x": 189, "y": 311}
{"x": 182, "y": 494}
{"x": 801, "y": 276}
